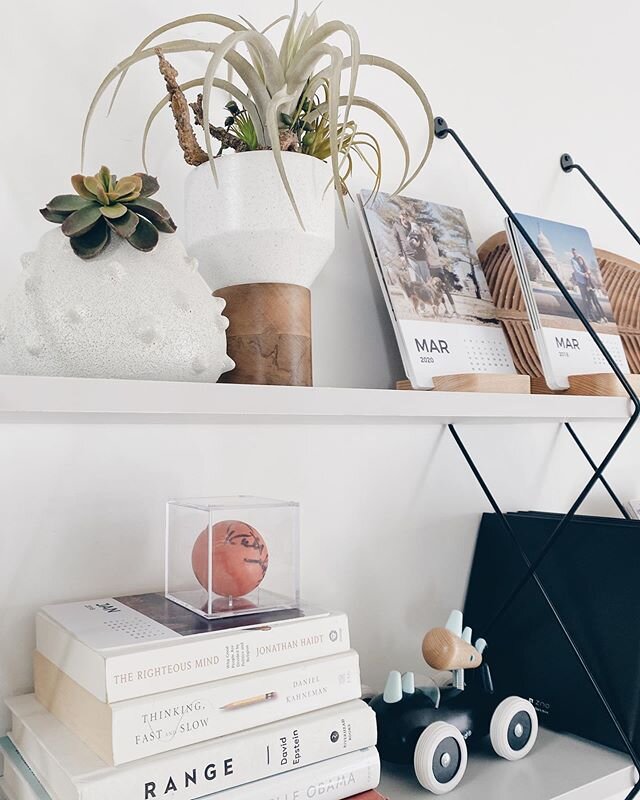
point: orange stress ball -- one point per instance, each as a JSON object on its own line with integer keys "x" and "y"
{"x": 239, "y": 558}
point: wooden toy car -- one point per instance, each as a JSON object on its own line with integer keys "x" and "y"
{"x": 431, "y": 727}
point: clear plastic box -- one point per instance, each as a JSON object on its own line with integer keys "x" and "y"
{"x": 232, "y": 555}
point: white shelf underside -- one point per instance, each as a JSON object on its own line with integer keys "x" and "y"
{"x": 78, "y": 400}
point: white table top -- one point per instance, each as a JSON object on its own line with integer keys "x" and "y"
{"x": 559, "y": 767}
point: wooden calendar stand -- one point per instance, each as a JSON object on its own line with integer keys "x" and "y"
{"x": 477, "y": 382}
{"x": 601, "y": 384}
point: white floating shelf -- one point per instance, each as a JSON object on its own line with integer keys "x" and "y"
{"x": 558, "y": 768}
{"x": 35, "y": 399}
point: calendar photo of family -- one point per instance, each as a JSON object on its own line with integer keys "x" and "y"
{"x": 428, "y": 261}
{"x": 569, "y": 252}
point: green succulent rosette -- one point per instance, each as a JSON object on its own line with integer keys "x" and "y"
{"x": 104, "y": 205}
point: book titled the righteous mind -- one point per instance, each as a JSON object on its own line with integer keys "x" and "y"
{"x": 126, "y": 647}
{"x": 563, "y": 344}
{"x": 436, "y": 293}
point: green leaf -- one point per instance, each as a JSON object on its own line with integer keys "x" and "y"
{"x": 54, "y": 216}
{"x": 114, "y": 211}
{"x": 145, "y": 236}
{"x": 126, "y": 225}
{"x": 93, "y": 185}
{"x": 104, "y": 175}
{"x": 77, "y": 181}
{"x": 92, "y": 243}
{"x": 68, "y": 203}
{"x": 131, "y": 185}
{"x": 81, "y": 221}
{"x": 155, "y": 212}
{"x": 150, "y": 184}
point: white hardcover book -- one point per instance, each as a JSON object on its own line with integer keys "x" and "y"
{"x": 134, "y": 729}
{"x": 564, "y": 346}
{"x": 333, "y": 779}
{"x": 434, "y": 287}
{"x": 126, "y": 647}
{"x": 68, "y": 770}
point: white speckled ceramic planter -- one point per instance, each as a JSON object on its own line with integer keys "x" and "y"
{"x": 245, "y": 230}
{"x": 123, "y": 314}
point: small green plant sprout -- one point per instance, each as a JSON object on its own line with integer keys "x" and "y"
{"x": 104, "y": 205}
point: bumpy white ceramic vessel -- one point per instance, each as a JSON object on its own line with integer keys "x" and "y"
{"x": 123, "y": 314}
{"x": 245, "y": 230}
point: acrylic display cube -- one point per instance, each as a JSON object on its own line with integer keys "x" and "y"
{"x": 226, "y": 556}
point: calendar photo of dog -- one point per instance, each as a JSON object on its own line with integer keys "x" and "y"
{"x": 428, "y": 261}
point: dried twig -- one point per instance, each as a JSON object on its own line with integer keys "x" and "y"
{"x": 193, "y": 153}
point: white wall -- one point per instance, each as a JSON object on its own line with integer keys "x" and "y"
{"x": 390, "y": 511}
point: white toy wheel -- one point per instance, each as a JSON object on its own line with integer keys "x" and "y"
{"x": 440, "y": 757}
{"x": 514, "y": 728}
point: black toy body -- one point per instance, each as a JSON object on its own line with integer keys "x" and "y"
{"x": 431, "y": 727}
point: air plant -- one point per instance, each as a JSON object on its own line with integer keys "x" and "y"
{"x": 272, "y": 86}
{"x": 102, "y": 205}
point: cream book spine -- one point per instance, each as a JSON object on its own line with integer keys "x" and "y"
{"x": 68, "y": 770}
{"x": 334, "y": 779}
{"x": 123, "y": 672}
{"x": 134, "y": 729}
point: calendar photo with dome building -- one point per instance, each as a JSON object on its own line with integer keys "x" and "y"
{"x": 564, "y": 346}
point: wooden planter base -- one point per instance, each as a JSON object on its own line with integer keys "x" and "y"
{"x": 269, "y": 334}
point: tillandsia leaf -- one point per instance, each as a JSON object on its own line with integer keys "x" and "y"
{"x": 150, "y": 184}
{"x": 155, "y": 212}
{"x": 279, "y": 100}
{"x": 145, "y": 237}
{"x": 288, "y": 36}
{"x": 303, "y": 66}
{"x": 68, "y": 203}
{"x": 82, "y": 220}
{"x": 114, "y": 211}
{"x": 92, "y": 243}
{"x": 363, "y": 102}
{"x": 244, "y": 69}
{"x": 223, "y": 22}
{"x": 93, "y": 185}
{"x": 125, "y": 225}
{"x": 396, "y": 69}
{"x": 218, "y": 83}
{"x": 77, "y": 181}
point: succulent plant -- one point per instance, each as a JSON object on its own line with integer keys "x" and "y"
{"x": 102, "y": 205}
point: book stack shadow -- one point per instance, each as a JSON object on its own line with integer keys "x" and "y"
{"x": 136, "y": 698}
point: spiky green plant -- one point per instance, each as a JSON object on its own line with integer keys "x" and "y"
{"x": 273, "y": 82}
{"x": 102, "y": 205}
{"x": 239, "y": 123}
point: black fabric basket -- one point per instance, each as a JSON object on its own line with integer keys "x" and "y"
{"x": 592, "y": 575}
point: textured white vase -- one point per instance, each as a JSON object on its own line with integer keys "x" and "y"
{"x": 123, "y": 314}
{"x": 245, "y": 230}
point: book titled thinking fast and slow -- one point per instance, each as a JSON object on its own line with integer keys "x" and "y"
{"x": 434, "y": 287}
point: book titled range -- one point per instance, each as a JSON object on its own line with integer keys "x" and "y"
{"x": 133, "y": 729}
{"x": 122, "y": 648}
{"x": 69, "y": 770}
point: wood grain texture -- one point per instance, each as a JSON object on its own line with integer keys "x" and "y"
{"x": 490, "y": 382}
{"x": 621, "y": 278}
{"x": 442, "y": 649}
{"x": 269, "y": 335}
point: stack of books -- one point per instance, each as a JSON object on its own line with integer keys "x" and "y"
{"x": 137, "y": 698}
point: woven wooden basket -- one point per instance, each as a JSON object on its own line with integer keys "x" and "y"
{"x": 621, "y": 278}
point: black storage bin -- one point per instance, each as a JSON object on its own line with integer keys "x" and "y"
{"x": 592, "y": 575}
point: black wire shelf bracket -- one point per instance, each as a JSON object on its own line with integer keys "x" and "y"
{"x": 442, "y": 131}
{"x": 567, "y": 164}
